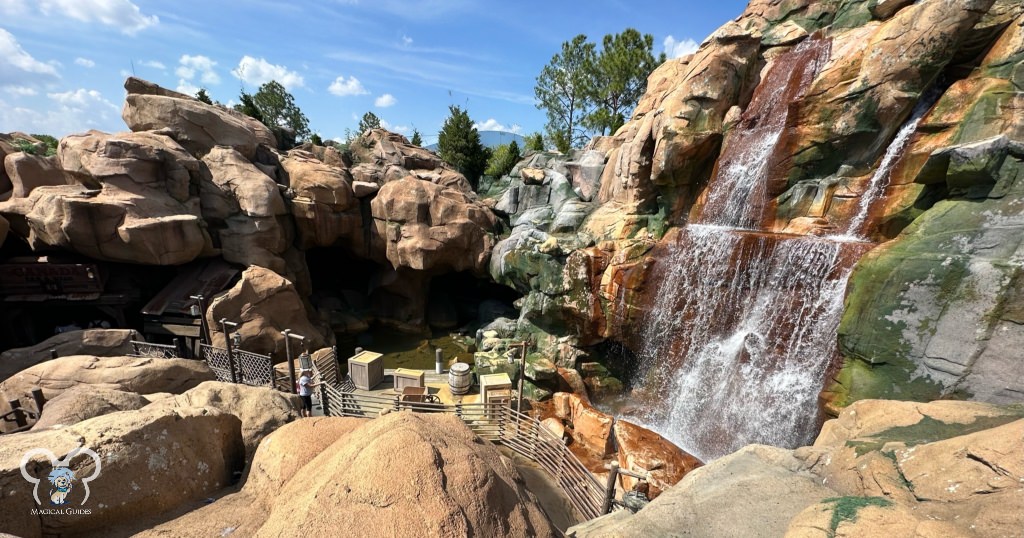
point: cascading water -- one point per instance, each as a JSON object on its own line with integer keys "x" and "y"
{"x": 743, "y": 330}
{"x": 880, "y": 179}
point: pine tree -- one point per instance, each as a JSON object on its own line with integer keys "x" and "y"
{"x": 201, "y": 95}
{"x": 563, "y": 90}
{"x": 369, "y": 121}
{"x": 417, "y": 140}
{"x": 459, "y": 145}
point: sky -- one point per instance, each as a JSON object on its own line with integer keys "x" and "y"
{"x": 63, "y": 62}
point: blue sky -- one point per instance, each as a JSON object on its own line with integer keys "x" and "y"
{"x": 63, "y": 62}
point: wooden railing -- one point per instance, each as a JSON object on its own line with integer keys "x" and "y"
{"x": 494, "y": 422}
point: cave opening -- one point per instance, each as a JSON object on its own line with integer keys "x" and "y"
{"x": 404, "y": 314}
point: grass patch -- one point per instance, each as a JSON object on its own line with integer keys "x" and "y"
{"x": 929, "y": 430}
{"x": 846, "y": 508}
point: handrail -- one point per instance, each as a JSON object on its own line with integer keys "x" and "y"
{"x": 494, "y": 422}
{"x": 156, "y": 351}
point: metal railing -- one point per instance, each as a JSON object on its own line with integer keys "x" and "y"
{"x": 238, "y": 366}
{"x": 494, "y": 422}
{"x": 156, "y": 351}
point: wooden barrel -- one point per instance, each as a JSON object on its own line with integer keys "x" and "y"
{"x": 459, "y": 378}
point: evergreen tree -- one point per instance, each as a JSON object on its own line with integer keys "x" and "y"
{"x": 619, "y": 79}
{"x": 459, "y": 145}
{"x": 535, "y": 142}
{"x": 503, "y": 160}
{"x": 201, "y": 95}
{"x": 248, "y": 107}
{"x": 316, "y": 140}
{"x": 369, "y": 121}
{"x": 279, "y": 110}
{"x": 563, "y": 90}
{"x": 416, "y": 140}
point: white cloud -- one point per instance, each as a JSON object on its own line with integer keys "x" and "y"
{"x": 187, "y": 87}
{"x": 343, "y": 87}
{"x": 85, "y": 62}
{"x": 400, "y": 129}
{"x": 494, "y": 125}
{"x": 122, "y": 14}
{"x": 259, "y": 71}
{"x": 675, "y": 49}
{"x": 385, "y": 101}
{"x": 73, "y": 111}
{"x": 406, "y": 40}
{"x": 21, "y": 91}
{"x": 201, "y": 67}
{"x": 158, "y": 65}
{"x": 19, "y": 68}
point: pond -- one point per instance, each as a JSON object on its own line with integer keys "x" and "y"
{"x": 403, "y": 350}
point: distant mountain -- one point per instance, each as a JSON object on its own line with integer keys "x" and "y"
{"x": 492, "y": 139}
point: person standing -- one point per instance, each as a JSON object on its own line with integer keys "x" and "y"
{"x": 306, "y": 386}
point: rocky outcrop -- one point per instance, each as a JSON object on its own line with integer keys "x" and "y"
{"x": 82, "y": 402}
{"x": 882, "y": 468}
{"x": 195, "y": 125}
{"x": 598, "y": 436}
{"x": 96, "y": 342}
{"x": 939, "y": 298}
{"x": 132, "y": 374}
{"x": 245, "y": 208}
{"x": 153, "y": 461}
{"x": 26, "y": 172}
{"x": 325, "y": 208}
{"x": 131, "y": 203}
{"x": 263, "y": 303}
{"x": 429, "y": 227}
{"x": 348, "y": 470}
{"x": 262, "y": 410}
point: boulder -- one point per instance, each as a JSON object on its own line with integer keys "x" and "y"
{"x": 83, "y": 402}
{"x": 133, "y": 374}
{"x": 451, "y": 484}
{"x": 754, "y": 492}
{"x": 428, "y": 227}
{"x": 591, "y": 428}
{"x": 262, "y": 410}
{"x": 382, "y": 148}
{"x": 153, "y": 461}
{"x": 641, "y": 450}
{"x": 132, "y": 204}
{"x": 195, "y": 125}
{"x": 263, "y": 303}
{"x": 245, "y": 208}
{"x": 325, "y": 207}
{"x": 26, "y": 172}
{"x": 97, "y": 342}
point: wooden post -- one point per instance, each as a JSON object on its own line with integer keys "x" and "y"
{"x": 177, "y": 346}
{"x": 522, "y": 377}
{"x": 19, "y": 413}
{"x": 227, "y": 344}
{"x": 609, "y": 486}
{"x": 37, "y": 395}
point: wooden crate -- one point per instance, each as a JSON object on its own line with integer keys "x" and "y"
{"x": 366, "y": 369}
{"x": 491, "y": 382}
{"x": 405, "y": 377}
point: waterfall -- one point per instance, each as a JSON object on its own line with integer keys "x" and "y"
{"x": 742, "y": 332}
{"x": 880, "y": 179}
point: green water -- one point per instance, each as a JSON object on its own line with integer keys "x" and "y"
{"x": 402, "y": 350}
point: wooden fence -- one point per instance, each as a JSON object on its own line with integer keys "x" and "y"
{"x": 495, "y": 422}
